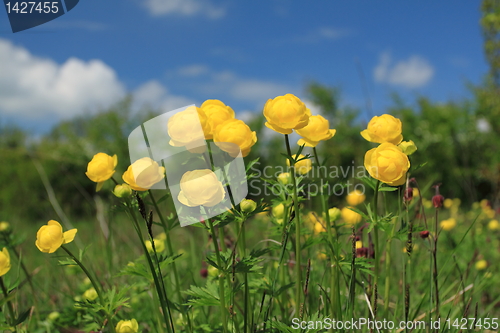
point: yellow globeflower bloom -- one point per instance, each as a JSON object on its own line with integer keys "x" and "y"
{"x": 382, "y": 129}
{"x": 248, "y": 205}
{"x": 493, "y": 225}
{"x": 286, "y": 113}
{"x": 200, "y": 188}
{"x": 234, "y": 135}
{"x": 4, "y": 262}
{"x": 217, "y": 113}
{"x": 359, "y": 244}
{"x": 416, "y": 192}
{"x": 4, "y": 226}
{"x": 90, "y": 294}
{"x": 143, "y": 174}
{"x": 278, "y": 211}
{"x": 355, "y": 198}
{"x": 316, "y": 130}
{"x": 101, "y": 168}
{"x": 50, "y": 237}
{"x": 350, "y": 217}
{"x": 388, "y": 164}
{"x": 481, "y": 265}
{"x": 334, "y": 214}
{"x": 188, "y": 128}
{"x": 318, "y": 228}
{"x": 448, "y": 224}
{"x": 285, "y": 178}
{"x": 408, "y": 147}
{"x": 448, "y": 203}
{"x": 159, "y": 245}
{"x": 127, "y": 326}
{"x": 302, "y": 167}
{"x": 122, "y": 191}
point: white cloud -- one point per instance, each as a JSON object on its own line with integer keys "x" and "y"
{"x": 184, "y": 8}
{"x": 193, "y": 70}
{"x": 155, "y": 95}
{"x": 411, "y": 73}
{"x": 35, "y": 87}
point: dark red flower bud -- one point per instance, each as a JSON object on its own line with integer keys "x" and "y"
{"x": 408, "y": 194}
{"x": 424, "y": 234}
{"x": 358, "y": 238}
{"x": 204, "y": 273}
{"x": 437, "y": 201}
{"x": 362, "y": 252}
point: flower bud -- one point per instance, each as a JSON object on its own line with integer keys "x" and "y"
{"x": 284, "y": 178}
{"x": 334, "y": 214}
{"x": 437, "y": 201}
{"x": 53, "y": 316}
{"x": 362, "y": 252}
{"x": 4, "y": 226}
{"x": 481, "y": 265}
{"x": 122, "y": 191}
{"x": 204, "y": 273}
{"x": 90, "y": 294}
{"x": 408, "y": 194}
{"x": 248, "y": 205}
{"x": 424, "y": 234}
{"x": 408, "y": 147}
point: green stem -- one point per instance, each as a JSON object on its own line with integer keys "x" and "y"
{"x": 298, "y": 272}
{"x": 221, "y": 276}
{"x": 9, "y": 303}
{"x": 97, "y": 286}
{"x": 375, "y": 242}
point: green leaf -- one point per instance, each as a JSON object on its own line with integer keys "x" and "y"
{"x": 387, "y": 189}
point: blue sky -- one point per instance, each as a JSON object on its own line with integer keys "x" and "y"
{"x": 170, "y": 53}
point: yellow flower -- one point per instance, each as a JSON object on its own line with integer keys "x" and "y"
{"x": 234, "y": 135}
{"x": 50, "y": 237}
{"x": 387, "y": 163}
{"x": 285, "y": 113}
{"x": 322, "y": 256}
{"x": 90, "y": 294}
{"x": 101, "y": 168}
{"x": 382, "y": 129}
{"x": 350, "y": 217}
{"x": 285, "y": 178}
{"x": 278, "y": 211}
{"x": 143, "y": 174}
{"x": 493, "y": 225}
{"x": 448, "y": 224}
{"x": 318, "y": 228}
{"x": 122, "y": 191}
{"x": 359, "y": 244}
{"x": 448, "y": 203}
{"x": 355, "y": 198}
{"x": 408, "y": 147}
{"x": 4, "y": 226}
{"x": 427, "y": 203}
{"x": 302, "y": 167}
{"x": 4, "y": 262}
{"x": 416, "y": 192}
{"x": 53, "y": 316}
{"x": 316, "y": 130}
{"x": 159, "y": 245}
{"x": 490, "y": 213}
{"x": 217, "y": 113}
{"x": 481, "y": 265}
{"x": 127, "y": 326}
{"x": 200, "y": 187}
{"x": 187, "y": 129}
{"x": 162, "y": 236}
{"x": 248, "y": 205}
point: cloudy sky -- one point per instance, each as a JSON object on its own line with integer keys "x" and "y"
{"x": 171, "y": 53}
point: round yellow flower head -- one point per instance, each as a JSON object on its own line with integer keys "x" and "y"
{"x": 481, "y": 265}
{"x": 416, "y": 192}
{"x": 217, "y": 112}
{"x": 286, "y": 113}
{"x": 4, "y": 262}
{"x": 53, "y": 316}
{"x": 127, "y": 326}
{"x": 200, "y": 188}
{"x": 493, "y": 225}
{"x": 302, "y": 167}
{"x": 334, "y": 214}
{"x": 101, "y": 168}
{"x": 50, "y": 237}
{"x": 382, "y": 129}
{"x": 318, "y": 228}
{"x": 143, "y": 174}
{"x": 188, "y": 129}
{"x": 122, "y": 191}
{"x": 162, "y": 236}
{"x": 90, "y": 294}
{"x": 248, "y": 205}
{"x": 359, "y": 244}
{"x": 159, "y": 245}
{"x": 4, "y": 226}
{"x": 234, "y": 135}
{"x": 387, "y": 163}
{"x": 448, "y": 203}
{"x": 355, "y": 198}
{"x": 350, "y": 217}
{"x": 448, "y": 224}
{"x": 408, "y": 147}
{"x": 316, "y": 130}
{"x": 278, "y": 211}
{"x": 285, "y": 178}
